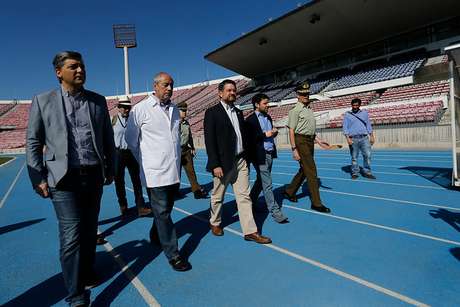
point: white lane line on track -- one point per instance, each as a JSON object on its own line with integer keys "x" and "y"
{"x": 416, "y": 234}
{"x": 11, "y": 186}
{"x": 411, "y": 233}
{"x": 320, "y": 265}
{"x": 146, "y": 295}
{"x": 8, "y": 162}
{"x": 286, "y": 154}
{"x": 374, "y": 182}
{"x": 374, "y": 197}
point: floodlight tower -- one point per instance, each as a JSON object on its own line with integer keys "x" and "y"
{"x": 124, "y": 36}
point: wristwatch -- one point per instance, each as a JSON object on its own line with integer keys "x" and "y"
{"x": 293, "y": 148}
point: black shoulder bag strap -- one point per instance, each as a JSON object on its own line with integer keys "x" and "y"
{"x": 364, "y": 123}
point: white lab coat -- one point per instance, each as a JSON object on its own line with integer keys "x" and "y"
{"x": 154, "y": 139}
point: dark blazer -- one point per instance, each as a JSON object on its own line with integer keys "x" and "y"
{"x": 220, "y": 138}
{"x": 255, "y": 140}
{"x": 47, "y": 127}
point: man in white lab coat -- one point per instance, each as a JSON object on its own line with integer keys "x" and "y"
{"x": 153, "y": 135}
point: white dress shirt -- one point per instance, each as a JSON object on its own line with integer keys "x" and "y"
{"x": 231, "y": 112}
{"x": 153, "y": 136}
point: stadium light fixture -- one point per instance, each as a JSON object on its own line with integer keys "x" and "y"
{"x": 124, "y": 36}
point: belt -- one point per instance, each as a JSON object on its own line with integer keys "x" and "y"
{"x": 308, "y": 136}
{"x": 84, "y": 170}
{"x": 270, "y": 152}
{"x": 122, "y": 149}
{"x": 359, "y": 135}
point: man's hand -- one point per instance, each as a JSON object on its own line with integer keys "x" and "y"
{"x": 275, "y": 132}
{"x": 372, "y": 139}
{"x": 295, "y": 155}
{"x": 193, "y": 152}
{"x": 349, "y": 140}
{"x": 218, "y": 172}
{"x": 108, "y": 180}
{"x": 269, "y": 134}
{"x": 43, "y": 190}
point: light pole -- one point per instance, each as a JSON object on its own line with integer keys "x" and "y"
{"x": 124, "y": 36}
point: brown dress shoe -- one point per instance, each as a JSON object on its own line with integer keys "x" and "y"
{"x": 217, "y": 230}
{"x": 124, "y": 210}
{"x": 142, "y": 211}
{"x": 258, "y": 238}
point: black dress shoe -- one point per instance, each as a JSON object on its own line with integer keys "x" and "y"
{"x": 200, "y": 194}
{"x": 354, "y": 177}
{"x": 289, "y": 197}
{"x": 370, "y": 176}
{"x": 321, "y": 208}
{"x": 179, "y": 264}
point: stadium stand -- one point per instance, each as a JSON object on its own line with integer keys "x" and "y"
{"x": 5, "y": 107}
{"x": 17, "y": 117}
{"x": 424, "y": 90}
{"x": 12, "y": 139}
{"x": 400, "y": 114}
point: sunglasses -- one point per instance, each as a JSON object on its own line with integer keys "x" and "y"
{"x": 125, "y": 107}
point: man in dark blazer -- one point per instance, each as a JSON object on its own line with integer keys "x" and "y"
{"x": 225, "y": 145}
{"x": 70, "y": 149}
{"x": 261, "y": 152}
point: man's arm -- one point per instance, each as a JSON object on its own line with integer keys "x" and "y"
{"x": 109, "y": 146}
{"x": 210, "y": 139}
{"x": 35, "y": 142}
{"x": 132, "y": 134}
{"x": 369, "y": 129}
{"x": 295, "y": 153}
{"x": 346, "y": 130}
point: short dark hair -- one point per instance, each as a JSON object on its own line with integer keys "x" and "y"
{"x": 223, "y": 83}
{"x": 60, "y": 58}
{"x": 257, "y": 98}
{"x": 356, "y": 100}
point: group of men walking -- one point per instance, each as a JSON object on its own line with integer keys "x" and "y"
{"x": 74, "y": 148}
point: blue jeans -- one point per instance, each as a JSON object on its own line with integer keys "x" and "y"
{"x": 264, "y": 182}
{"x": 360, "y": 143}
{"x": 76, "y": 201}
{"x": 162, "y": 202}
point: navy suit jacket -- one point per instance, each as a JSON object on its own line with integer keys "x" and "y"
{"x": 255, "y": 140}
{"x": 220, "y": 138}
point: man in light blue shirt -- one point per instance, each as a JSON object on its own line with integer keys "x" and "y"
{"x": 261, "y": 152}
{"x": 357, "y": 129}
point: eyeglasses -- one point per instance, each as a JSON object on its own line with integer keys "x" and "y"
{"x": 125, "y": 107}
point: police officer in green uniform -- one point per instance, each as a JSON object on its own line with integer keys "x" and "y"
{"x": 302, "y": 127}
{"x": 188, "y": 152}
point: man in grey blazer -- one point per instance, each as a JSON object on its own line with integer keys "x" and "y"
{"x": 69, "y": 149}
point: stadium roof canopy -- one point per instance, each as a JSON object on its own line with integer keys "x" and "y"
{"x": 326, "y": 27}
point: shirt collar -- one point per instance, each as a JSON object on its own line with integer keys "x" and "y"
{"x": 68, "y": 94}
{"x": 260, "y": 114}
{"x": 227, "y": 107}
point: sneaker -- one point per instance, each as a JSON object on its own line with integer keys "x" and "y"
{"x": 179, "y": 264}
{"x": 354, "y": 177}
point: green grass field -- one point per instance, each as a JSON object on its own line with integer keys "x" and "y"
{"x": 5, "y": 159}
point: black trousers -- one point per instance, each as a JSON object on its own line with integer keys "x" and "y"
{"x": 125, "y": 159}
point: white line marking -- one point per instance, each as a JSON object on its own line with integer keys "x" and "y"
{"x": 377, "y": 226}
{"x": 373, "y": 155}
{"x": 11, "y": 186}
{"x": 146, "y": 295}
{"x": 325, "y": 267}
{"x": 371, "y": 224}
{"x": 8, "y": 162}
{"x": 372, "y": 197}
{"x": 374, "y": 182}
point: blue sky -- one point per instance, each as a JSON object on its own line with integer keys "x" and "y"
{"x": 172, "y": 36}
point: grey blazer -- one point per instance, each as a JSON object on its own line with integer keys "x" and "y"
{"x": 47, "y": 127}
